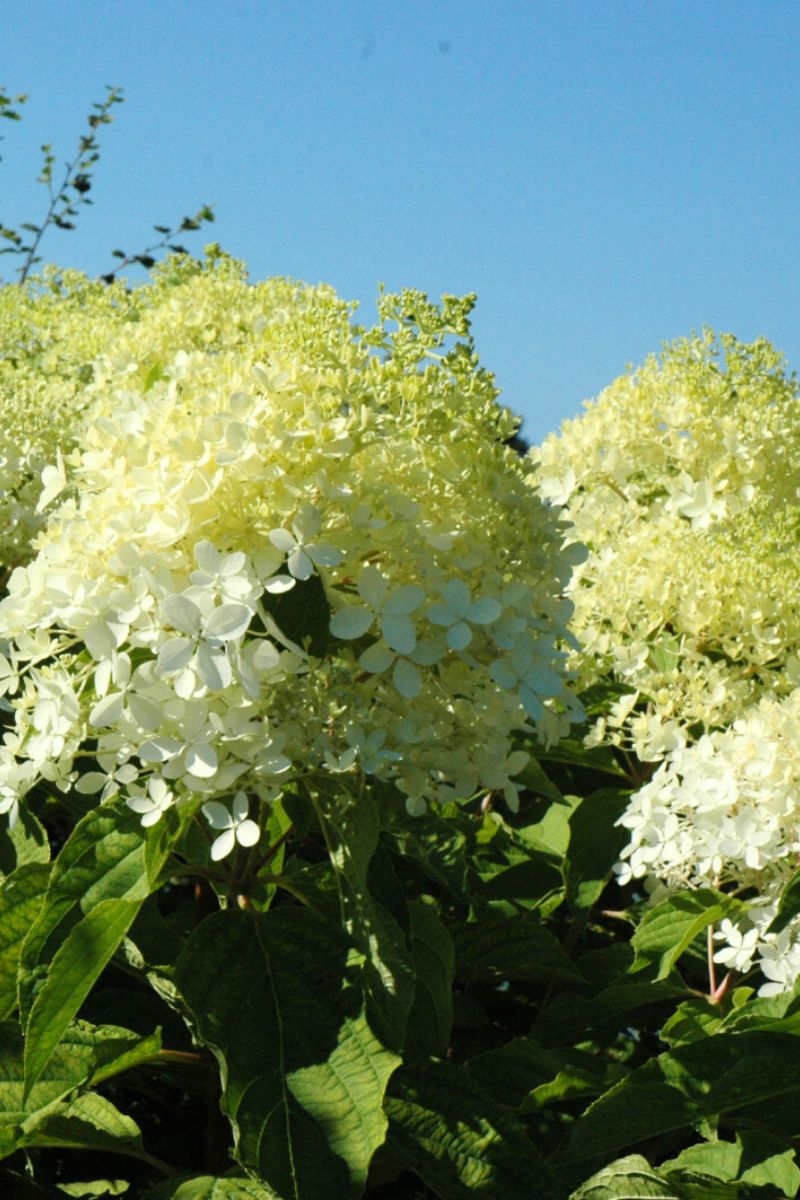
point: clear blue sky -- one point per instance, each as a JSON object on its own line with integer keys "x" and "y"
{"x": 605, "y": 175}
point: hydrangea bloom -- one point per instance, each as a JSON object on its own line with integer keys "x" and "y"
{"x": 725, "y": 812}
{"x": 269, "y": 508}
{"x": 682, "y": 478}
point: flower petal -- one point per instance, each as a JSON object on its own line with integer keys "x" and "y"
{"x": 399, "y": 633}
{"x": 351, "y": 622}
{"x": 223, "y": 845}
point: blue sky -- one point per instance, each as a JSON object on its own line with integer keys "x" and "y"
{"x": 605, "y": 175}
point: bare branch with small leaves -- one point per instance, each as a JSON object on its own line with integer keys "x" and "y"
{"x": 67, "y": 197}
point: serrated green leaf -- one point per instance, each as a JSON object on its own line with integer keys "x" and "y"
{"x": 89, "y": 1122}
{"x": 76, "y": 966}
{"x": 753, "y": 1157}
{"x": 431, "y": 1021}
{"x": 352, "y": 828}
{"x": 24, "y": 842}
{"x": 83, "y": 1053}
{"x": 210, "y": 1187}
{"x": 595, "y": 844}
{"x": 518, "y": 947}
{"x": 21, "y": 898}
{"x": 275, "y": 997}
{"x": 303, "y": 614}
{"x": 720, "y": 1076}
{"x": 692, "y": 1020}
{"x": 667, "y": 930}
{"x": 440, "y": 850}
{"x": 789, "y": 905}
{"x": 630, "y": 1178}
{"x": 105, "y": 858}
{"x": 551, "y": 832}
{"x": 527, "y": 1076}
{"x": 95, "y": 1187}
{"x": 460, "y": 1141}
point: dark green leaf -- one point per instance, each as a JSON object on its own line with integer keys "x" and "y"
{"x": 527, "y": 1076}
{"x": 517, "y": 947}
{"x": 208, "y": 1187}
{"x": 720, "y": 1076}
{"x": 107, "y": 857}
{"x": 303, "y": 615}
{"x": 84, "y": 1054}
{"x": 789, "y": 905}
{"x": 461, "y": 1142}
{"x": 23, "y": 842}
{"x": 277, "y": 999}
{"x": 754, "y": 1157}
{"x": 594, "y": 846}
{"x": 352, "y": 827}
{"x": 667, "y": 930}
{"x": 21, "y": 898}
{"x": 76, "y": 966}
{"x": 431, "y": 1020}
{"x": 630, "y": 1178}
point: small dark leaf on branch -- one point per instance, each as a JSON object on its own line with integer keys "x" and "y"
{"x": 161, "y": 228}
{"x": 178, "y": 249}
{"x": 117, "y": 254}
{"x": 146, "y": 260}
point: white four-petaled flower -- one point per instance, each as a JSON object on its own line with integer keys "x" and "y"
{"x": 235, "y": 826}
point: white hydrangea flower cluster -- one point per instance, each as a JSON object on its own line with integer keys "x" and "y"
{"x": 725, "y": 812}
{"x": 683, "y": 479}
{"x": 289, "y": 545}
{"x": 51, "y": 330}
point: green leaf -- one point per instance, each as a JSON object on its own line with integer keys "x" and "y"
{"x": 438, "y": 847}
{"x": 209, "y": 1187}
{"x": 460, "y": 1141}
{"x": 72, "y": 974}
{"x": 278, "y": 999}
{"x": 24, "y": 842}
{"x": 551, "y": 832}
{"x": 527, "y": 1076}
{"x": 630, "y": 1178}
{"x": 754, "y": 1157}
{"x": 95, "y": 1187}
{"x": 303, "y": 615}
{"x": 532, "y": 885}
{"x": 517, "y": 947}
{"x": 594, "y": 846}
{"x": 90, "y": 1122}
{"x": 431, "y": 1020}
{"x": 21, "y": 898}
{"x": 789, "y": 905}
{"x": 728, "y": 1075}
{"x": 105, "y": 858}
{"x": 84, "y": 1054}
{"x": 667, "y": 930}
{"x": 352, "y": 826}
{"x": 692, "y": 1020}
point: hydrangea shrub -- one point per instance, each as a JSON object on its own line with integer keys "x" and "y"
{"x": 683, "y": 479}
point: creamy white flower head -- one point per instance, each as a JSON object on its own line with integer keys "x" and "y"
{"x": 685, "y": 491}
{"x": 724, "y": 812}
{"x": 252, "y": 561}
